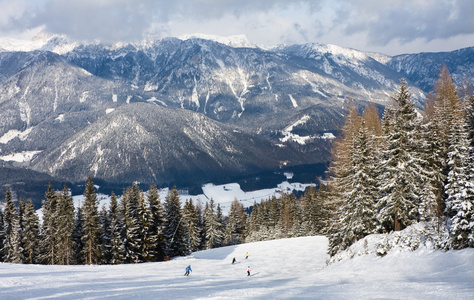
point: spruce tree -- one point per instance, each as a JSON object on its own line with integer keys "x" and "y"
{"x": 174, "y": 228}
{"x": 2, "y": 236}
{"x": 148, "y": 237}
{"x": 105, "y": 235}
{"x": 77, "y": 236}
{"x": 459, "y": 189}
{"x": 157, "y": 219}
{"x": 30, "y": 234}
{"x": 116, "y": 252}
{"x": 236, "y": 222}
{"x": 133, "y": 226}
{"x": 11, "y": 227}
{"x": 402, "y": 177}
{"x": 191, "y": 217}
{"x": 358, "y": 213}
{"x": 48, "y": 241}
{"x": 91, "y": 229}
{"x": 211, "y": 226}
{"x": 65, "y": 222}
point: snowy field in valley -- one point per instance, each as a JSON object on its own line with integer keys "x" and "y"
{"x": 281, "y": 269}
{"x": 223, "y": 194}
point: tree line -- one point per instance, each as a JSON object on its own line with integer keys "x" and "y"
{"x": 406, "y": 168}
{"x": 137, "y": 228}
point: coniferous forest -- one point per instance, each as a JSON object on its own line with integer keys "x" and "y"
{"x": 386, "y": 174}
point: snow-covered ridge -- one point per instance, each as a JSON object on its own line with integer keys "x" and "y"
{"x": 236, "y": 41}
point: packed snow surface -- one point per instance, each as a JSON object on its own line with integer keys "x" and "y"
{"x": 281, "y": 269}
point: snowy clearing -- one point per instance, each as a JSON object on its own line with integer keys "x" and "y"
{"x": 280, "y": 269}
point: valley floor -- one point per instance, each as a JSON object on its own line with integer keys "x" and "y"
{"x": 282, "y": 269}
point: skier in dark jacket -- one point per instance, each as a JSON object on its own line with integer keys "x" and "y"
{"x": 188, "y": 269}
{"x": 234, "y": 260}
{"x": 248, "y": 271}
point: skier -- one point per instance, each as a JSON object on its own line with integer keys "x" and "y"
{"x": 234, "y": 260}
{"x": 188, "y": 269}
{"x": 248, "y": 271}
{"x": 246, "y": 255}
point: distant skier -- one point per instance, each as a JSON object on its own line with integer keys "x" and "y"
{"x": 246, "y": 255}
{"x": 248, "y": 271}
{"x": 188, "y": 269}
{"x": 234, "y": 260}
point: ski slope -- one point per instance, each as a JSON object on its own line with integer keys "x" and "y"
{"x": 281, "y": 269}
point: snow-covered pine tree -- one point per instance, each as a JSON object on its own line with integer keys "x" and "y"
{"x": 77, "y": 236}
{"x": 132, "y": 230}
{"x": 316, "y": 213}
{"x": 402, "y": 177}
{"x": 253, "y": 224}
{"x": 149, "y": 238}
{"x": 459, "y": 186}
{"x": 235, "y": 228}
{"x": 11, "y": 228}
{"x": 30, "y": 234}
{"x": 2, "y": 236}
{"x": 221, "y": 225}
{"x": 91, "y": 229}
{"x": 358, "y": 213}
{"x": 191, "y": 217}
{"x": 48, "y": 240}
{"x": 157, "y": 218}
{"x": 116, "y": 251}
{"x": 105, "y": 243}
{"x": 174, "y": 228}
{"x": 432, "y": 204}
{"x": 211, "y": 226}
{"x": 340, "y": 175}
{"x": 65, "y": 229}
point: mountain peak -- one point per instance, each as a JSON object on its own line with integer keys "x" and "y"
{"x": 236, "y": 41}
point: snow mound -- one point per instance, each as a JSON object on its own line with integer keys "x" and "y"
{"x": 423, "y": 235}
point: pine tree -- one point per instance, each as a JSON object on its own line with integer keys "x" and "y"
{"x": 174, "y": 228}
{"x": 2, "y": 237}
{"x": 116, "y": 252}
{"x": 77, "y": 237}
{"x": 236, "y": 223}
{"x": 148, "y": 237}
{"x": 11, "y": 227}
{"x": 91, "y": 230}
{"x": 157, "y": 218}
{"x": 30, "y": 234}
{"x": 358, "y": 213}
{"x": 48, "y": 241}
{"x": 105, "y": 235}
{"x": 211, "y": 226}
{"x": 459, "y": 188}
{"x": 65, "y": 222}
{"x": 133, "y": 226}
{"x": 190, "y": 215}
{"x": 402, "y": 177}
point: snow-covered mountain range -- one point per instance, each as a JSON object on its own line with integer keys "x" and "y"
{"x": 195, "y": 106}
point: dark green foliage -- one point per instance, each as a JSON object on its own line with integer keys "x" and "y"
{"x": 91, "y": 251}
{"x": 175, "y": 230}
{"x": 30, "y": 234}
{"x": 11, "y": 227}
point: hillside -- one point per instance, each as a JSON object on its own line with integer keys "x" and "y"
{"x": 281, "y": 269}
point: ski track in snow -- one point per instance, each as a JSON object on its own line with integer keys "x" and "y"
{"x": 281, "y": 269}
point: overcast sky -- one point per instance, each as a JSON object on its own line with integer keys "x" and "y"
{"x": 387, "y": 26}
